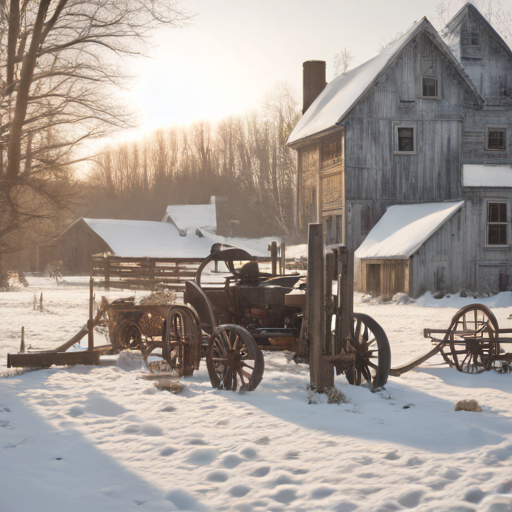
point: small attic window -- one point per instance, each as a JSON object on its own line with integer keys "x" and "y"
{"x": 470, "y": 38}
{"x": 429, "y": 87}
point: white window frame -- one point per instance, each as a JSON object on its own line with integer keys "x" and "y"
{"x": 405, "y": 124}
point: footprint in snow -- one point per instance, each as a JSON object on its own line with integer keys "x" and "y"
{"x": 263, "y": 440}
{"x": 392, "y": 455}
{"x": 249, "y": 453}
{"x": 410, "y": 499}
{"x": 438, "y": 485}
{"x": 217, "y": 476}
{"x": 452, "y": 474}
{"x": 147, "y": 429}
{"x": 322, "y": 492}
{"x": 291, "y": 455}
{"x": 366, "y": 475}
{"x": 260, "y": 472}
{"x": 168, "y": 450}
{"x": 222, "y": 423}
{"x": 202, "y": 456}
{"x": 414, "y": 461}
{"x": 197, "y": 442}
{"x": 76, "y": 410}
{"x": 497, "y": 455}
{"x": 299, "y": 471}
{"x": 168, "y": 408}
{"x": 238, "y": 491}
{"x": 283, "y": 480}
{"x": 285, "y": 495}
{"x": 231, "y": 461}
{"x": 365, "y": 461}
{"x": 6, "y": 409}
{"x": 6, "y": 424}
{"x": 345, "y": 506}
{"x": 474, "y": 495}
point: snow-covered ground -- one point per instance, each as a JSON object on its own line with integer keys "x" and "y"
{"x": 104, "y": 439}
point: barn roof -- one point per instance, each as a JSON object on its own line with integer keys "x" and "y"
{"x": 343, "y": 93}
{"x": 403, "y": 229}
{"x": 186, "y": 216}
{"x": 138, "y": 239}
{"x": 454, "y": 24}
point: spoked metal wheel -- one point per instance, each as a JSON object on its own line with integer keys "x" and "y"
{"x": 472, "y": 340}
{"x": 234, "y": 360}
{"x": 126, "y": 335}
{"x": 373, "y": 353}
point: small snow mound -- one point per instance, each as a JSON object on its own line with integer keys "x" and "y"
{"x": 231, "y": 461}
{"x": 76, "y": 410}
{"x": 185, "y": 501}
{"x": 217, "y": 476}
{"x": 474, "y": 495}
{"x": 496, "y": 503}
{"x": 202, "y": 456}
{"x": 238, "y": 491}
{"x": 129, "y": 360}
{"x": 249, "y": 453}
{"x": 285, "y": 495}
{"x": 410, "y": 499}
{"x": 401, "y": 298}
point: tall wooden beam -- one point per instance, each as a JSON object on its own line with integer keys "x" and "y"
{"x": 321, "y": 372}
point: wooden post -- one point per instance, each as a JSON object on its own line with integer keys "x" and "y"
{"x": 273, "y": 256}
{"x": 22, "y": 344}
{"x": 344, "y": 316}
{"x": 151, "y": 270}
{"x": 283, "y": 258}
{"x": 107, "y": 271}
{"x": 41, "y": 302}
{"x": 330, "y": 265}
{"x": 321, "y": 373}
{"x": 90, "y": 322}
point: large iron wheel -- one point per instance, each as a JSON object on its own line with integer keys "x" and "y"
{"x": 373, "y": 353}
{"x": 126, "y": 335}
{"x": 472, "y": 340}
{"x": 234, "y": 360}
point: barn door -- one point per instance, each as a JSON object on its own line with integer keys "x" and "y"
{"x": 373, "y": 279}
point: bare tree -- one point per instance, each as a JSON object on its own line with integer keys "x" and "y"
{"x": 60, "y": 63}
{"x": 342, "y": 61}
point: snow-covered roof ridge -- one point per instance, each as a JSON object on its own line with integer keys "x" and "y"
{"x": 186, "y": 216}
{"x": 142, "y": 238}
{"x": 457, "y": 19}
{"x": 478, "y": 175}
{"x": 403, "y": 229}
{"x": 338, "y": 98}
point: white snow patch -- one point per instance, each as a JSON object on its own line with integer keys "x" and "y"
{"x": 486, "y": 175}
{"x": 188, "y": 216}
{"x": 403, "y": 229}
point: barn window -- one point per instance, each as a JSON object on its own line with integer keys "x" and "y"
{"x": 496, "y": 223}
{"x": 429, "y": 87}
{"x": 496, "y": 139}
{"x": 405, "y": 139}
{"x": 470, "y": 38}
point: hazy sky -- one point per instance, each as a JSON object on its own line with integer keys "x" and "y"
{"x": 236, "y": 50}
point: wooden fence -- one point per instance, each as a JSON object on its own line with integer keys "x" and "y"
{"x": 171, "y": 273}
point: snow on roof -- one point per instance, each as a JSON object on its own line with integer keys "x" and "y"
{"x": 340, "y": 95}
{"x": 137, "y": 239}
{"x": 186, "y": 216}
{"x": 403, "y": 229}
{"x": 486, "y": 175}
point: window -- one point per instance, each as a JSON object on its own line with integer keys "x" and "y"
{"x": 405, "y": 139}
{"x": 470, "y": 38}
{"x": 496, "y": 139}
{"x": 429, "y": 89}
{"x": 496, "y": 223}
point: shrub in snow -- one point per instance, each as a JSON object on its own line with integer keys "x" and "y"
{"x": 329, "y": 395}
{"x": 438, "y": 295}
{"x": 468, "y": 405}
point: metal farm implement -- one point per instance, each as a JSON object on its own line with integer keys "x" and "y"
{"x": 471, "y": 344}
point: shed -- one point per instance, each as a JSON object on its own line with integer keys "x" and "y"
{"x": 186, "y": 216}
{"x": 409, "y": 248}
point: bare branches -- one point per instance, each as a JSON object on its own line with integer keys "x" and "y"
{"x": 342, "y": 61}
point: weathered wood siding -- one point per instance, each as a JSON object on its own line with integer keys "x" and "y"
{"x": 441, "y": 264}
{"x": 385, "y": 277}
{"x": 373, "y": 172}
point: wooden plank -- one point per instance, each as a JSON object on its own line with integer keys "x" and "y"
{"x": 42, "y": 359}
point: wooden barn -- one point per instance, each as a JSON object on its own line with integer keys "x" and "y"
{"x": 429, "y": 119}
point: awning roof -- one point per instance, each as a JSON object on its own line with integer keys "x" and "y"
{"x": 403, "y": 229}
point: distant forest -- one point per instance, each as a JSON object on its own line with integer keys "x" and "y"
{"x": 244, "y": 159}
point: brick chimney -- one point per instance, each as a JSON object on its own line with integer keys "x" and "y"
{"x": 313, "y": 81}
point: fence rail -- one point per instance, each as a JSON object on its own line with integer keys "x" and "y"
{"x": 172, "y": 273}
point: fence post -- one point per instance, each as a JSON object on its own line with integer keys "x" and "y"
{"x": 283, "y": 258}
{"x": 90, "y": 322}
{"x": 151, "y": 270}
{"x": 273, "y": 256}
{"x": 107, "y": 271}
{"x": 330, "y": 265}
{"x": 321, "y": 372}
